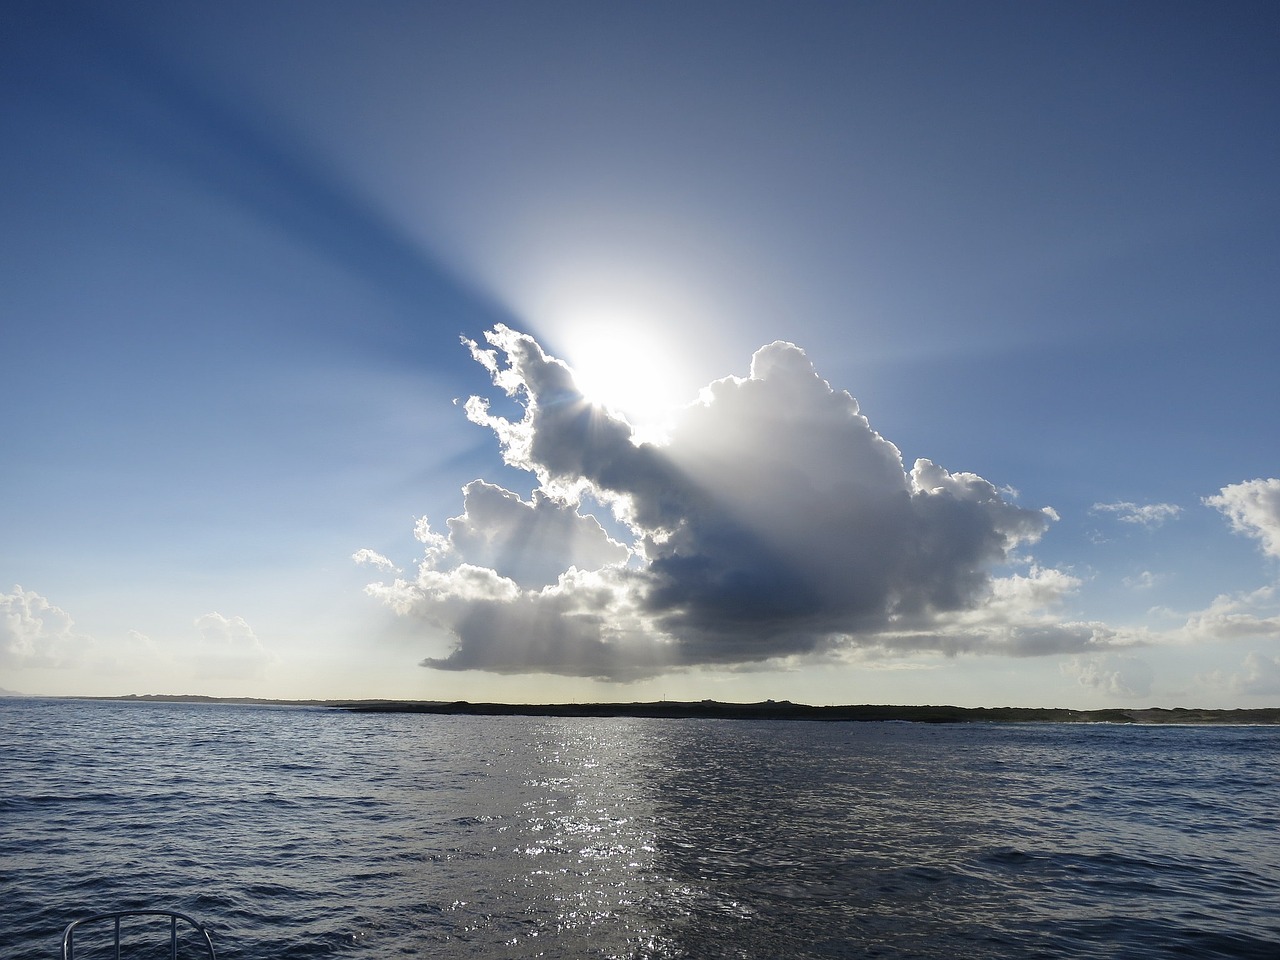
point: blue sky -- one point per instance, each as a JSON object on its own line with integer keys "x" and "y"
{"x": 246, "y": 246}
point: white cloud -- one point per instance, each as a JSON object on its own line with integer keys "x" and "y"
{"x": 1148, "y": 515}
{"x": 374, "y": 559}
{"x": 1253, "y": 507}
{"x": 228, "y": 648}
{"x": 773, "y": 522}
{"x": 1114, "y": 675}
{"x": 35, "y": 633}
{"x": 1236, "y": 617}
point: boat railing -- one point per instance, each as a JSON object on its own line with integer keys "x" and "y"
{"x": 198, "y": 933}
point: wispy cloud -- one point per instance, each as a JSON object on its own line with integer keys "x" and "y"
{"x": 774, "y": 522}
{"x": 1142, "y": 581}
{"x": 1149, "y": 515}
{"x": 374, "y": 559}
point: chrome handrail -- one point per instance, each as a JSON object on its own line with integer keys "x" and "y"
{"x": 68, "y": 935}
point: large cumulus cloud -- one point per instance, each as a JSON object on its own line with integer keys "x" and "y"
{"x": 773, "y": 522}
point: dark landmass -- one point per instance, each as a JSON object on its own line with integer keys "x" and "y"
{"x": 767, "y": 710}
{"x": 786, "y": 710}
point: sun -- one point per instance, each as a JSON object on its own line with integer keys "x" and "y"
{"x": 632, "y": 326}
{"x": 631, "y": 369}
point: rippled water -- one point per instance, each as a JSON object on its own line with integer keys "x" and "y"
{"x": 314, "y": 833}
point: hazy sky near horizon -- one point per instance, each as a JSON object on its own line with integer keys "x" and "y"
{"x": 836, "y": 352}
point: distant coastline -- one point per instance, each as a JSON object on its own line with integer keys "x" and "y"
{"x": 766, "y": 710}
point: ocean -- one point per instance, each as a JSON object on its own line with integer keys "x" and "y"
{"x": 310, "y": 833}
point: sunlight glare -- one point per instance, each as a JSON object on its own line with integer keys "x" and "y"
{"x": 624, "y": 365}
{"x": 635, "y": 323}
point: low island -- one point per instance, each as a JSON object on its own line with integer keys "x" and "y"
{"x": 786, "y": 710}
{"x": 764, "y": 710}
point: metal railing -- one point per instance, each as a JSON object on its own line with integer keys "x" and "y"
{"x": 204, "y": 943}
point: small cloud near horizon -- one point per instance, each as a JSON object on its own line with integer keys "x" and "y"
{"x": 36, "y": 633}
{"x": 1113, "y": 675}
{"x": 1261, "y": 675}
{"x": 228, "y": 648}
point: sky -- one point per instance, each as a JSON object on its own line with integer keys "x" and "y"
{"x": 915, "y": 352}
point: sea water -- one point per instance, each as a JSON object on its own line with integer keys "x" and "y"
{"x": 299, "y": 833}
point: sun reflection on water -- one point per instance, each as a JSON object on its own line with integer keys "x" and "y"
{"x": 583, "y": 831}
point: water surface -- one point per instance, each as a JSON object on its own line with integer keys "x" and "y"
{"x": 315, "y": 833}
